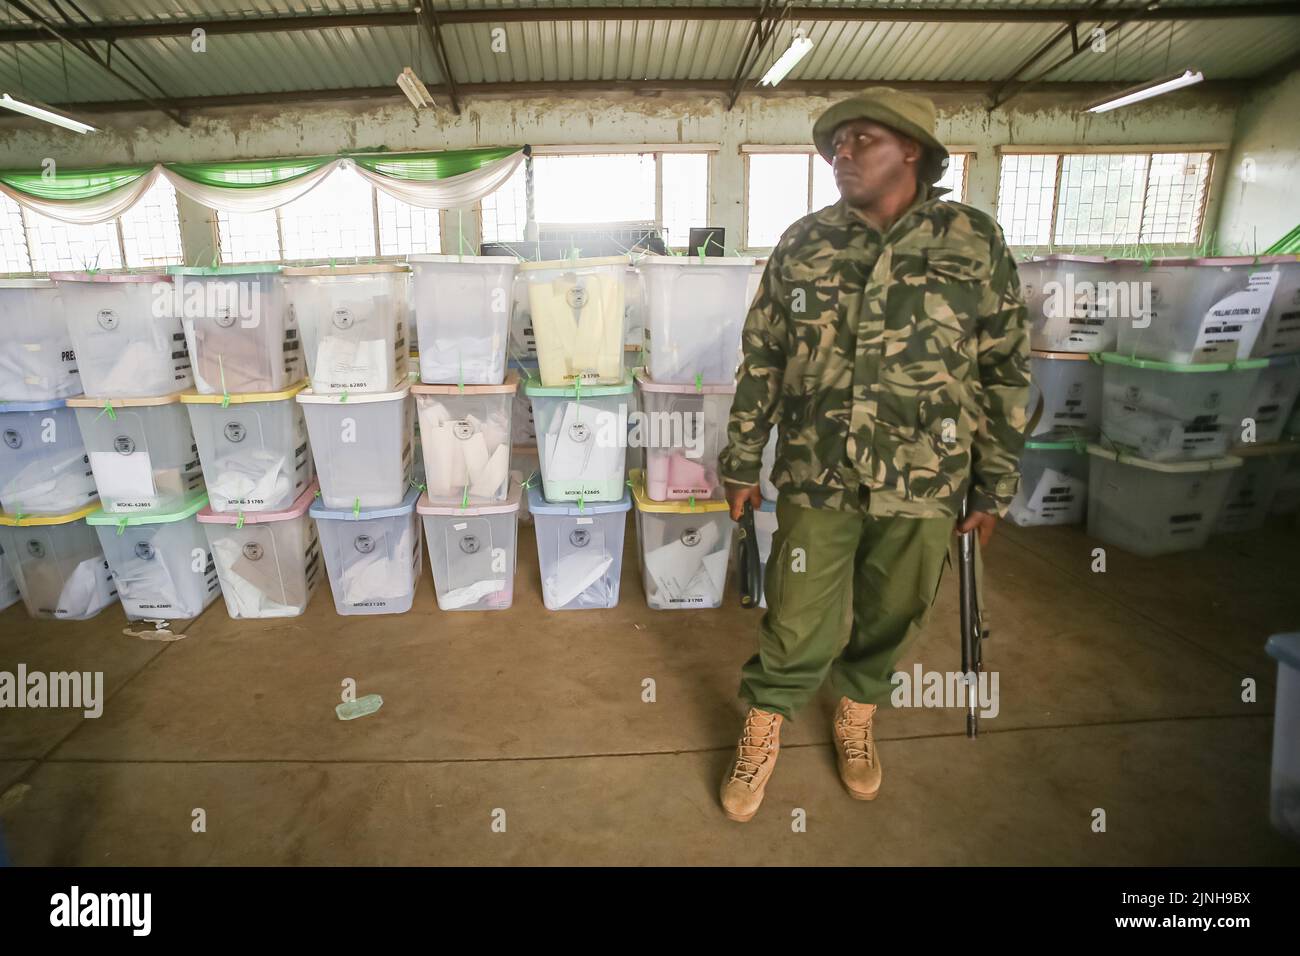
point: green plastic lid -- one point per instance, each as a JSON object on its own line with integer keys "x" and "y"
{"x": 191, "y": 507}
{"x": 534, "y": 387}
{"x": 1245, "y": 365}
{"x": 1076, "y": 446}
{"x": 255, "y": 268}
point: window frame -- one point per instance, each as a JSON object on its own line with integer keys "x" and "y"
{"x": 656, "y": 150}
{"x": 118, "y": 238}
{"x": 374, "y": 225}
{"x": 747, "y": 150}
{"x": 1214, "y": 150}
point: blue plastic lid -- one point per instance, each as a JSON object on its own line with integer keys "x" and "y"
{"x": 768, "y": 506}
{"x": 538, "y": 505}
{"x": 1285, "y": 648}
{"x": 32, "y": 406}
{"x": 318, "y": 509}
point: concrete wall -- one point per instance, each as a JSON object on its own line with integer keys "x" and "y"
{"x": 1261, "y": 200}
{"x": 304, "y": 129}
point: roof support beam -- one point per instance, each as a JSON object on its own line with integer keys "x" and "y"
{"x": 181, "y": 27}
{"x": 429, "y": 20}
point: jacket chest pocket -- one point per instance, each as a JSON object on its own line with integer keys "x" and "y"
{"x": 933, "y": 313}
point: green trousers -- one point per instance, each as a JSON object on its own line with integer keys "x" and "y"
{"x": 846, "y": 593}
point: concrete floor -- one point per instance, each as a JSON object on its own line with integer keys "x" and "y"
{"x": 1120, "y": 691}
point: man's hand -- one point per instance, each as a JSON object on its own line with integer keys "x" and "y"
{"x": 979, "y": 521}
{"x": 737, "y": 495}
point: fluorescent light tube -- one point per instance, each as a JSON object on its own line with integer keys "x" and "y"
{"x": 49, "y": 116}
{"x": 1147, "y": 90}
{"x": 415, "y": 90}
{"x": 799, "y": 48}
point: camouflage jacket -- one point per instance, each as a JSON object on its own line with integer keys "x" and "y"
{"x": 899, "y": 362}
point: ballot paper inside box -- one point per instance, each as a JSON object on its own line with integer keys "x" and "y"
{"x": 9, "y": 594}
{"x": 1053, "y": 484}
{"x": 683, "y": 550}
{"x": 253, "y": 448}
{"x": 1152, "y": 508}
{"x": 1280, "y": 333}
{"x": 162, "y": 565}
{"x": 1273, "y": 398}
{"x": 43, "y": 464}
{"x": 472, "y": 552}
{"x": 126, "y": 332}
{"x": 696, "y": 309}
{"x": 465, "y": 435}
{"x": 1253, "y": 488}
{"x": 58, "y": 564}
{"x": 1069, "y": 384}
{"x": 682, "y": 430}
{"x": 363, "y": 446}
{"x": 268, "y": 562}
{"x": 462, "y": 306}
{"x": 37, "y": 361}
{"x": 581, "y": 440}
{"x": 241, "y": 334}
{"x": 577, "y": 309}
{"x": 142, "y": 452}
{"x": 1070, "y": 310}
{"x": 1165, "y": 412}
{"x": 1195, "y": 310}
{"x": 372, "y": 556}
{"x": 352, "y": 320}
{"x": 579, "y": 551}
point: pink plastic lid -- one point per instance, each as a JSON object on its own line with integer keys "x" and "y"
{"x": 110, "y": 277}
{"x": 425, "y": 507}
{"x": 295, "y": 510}
{"x": 645, "y": 382}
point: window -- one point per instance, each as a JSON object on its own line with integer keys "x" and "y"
{"x": 343, "y": 217}
{"x": 505, "y": 212}
{"x": 1103, "y": 199}
{"x": 667, "y": 188}
{"x": 784, "y": 186}
{"x": 148, "y": 235}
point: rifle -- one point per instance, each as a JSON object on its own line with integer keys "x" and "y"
{"x": 973, "y": 631}
{"x": 751, "y": 570}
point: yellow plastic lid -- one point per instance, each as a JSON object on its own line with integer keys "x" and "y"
{"x": 643, "y": 502}
{"x": 86, "y": 401}
{"x": 26, "y": 521}
{"x": 239, "y": 398}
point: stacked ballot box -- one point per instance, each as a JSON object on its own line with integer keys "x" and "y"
{"x": 695, "y": 309}
{"x": 1193, "y": 364}
{"x": 465, "y": 405}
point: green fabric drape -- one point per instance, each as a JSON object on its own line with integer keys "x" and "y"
{"x": 425, "y": 167}
{"x": 74, "y": 184}
{"x": 249, "y": 173}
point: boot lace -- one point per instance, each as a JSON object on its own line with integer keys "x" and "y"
{"x": 756, "y": 746}
{"x": 856, "y": 735}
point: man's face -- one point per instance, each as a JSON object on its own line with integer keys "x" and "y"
{"x": 870, "y": 160}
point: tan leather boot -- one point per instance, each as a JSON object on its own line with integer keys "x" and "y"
{"x": 855, "y": 749}
{"x": 743, "y": 786}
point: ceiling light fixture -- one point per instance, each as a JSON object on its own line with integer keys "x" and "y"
{"x": 1147, "y": 90}
{"x": 798, "y": 49}
{"x": 414, "y": 89}
{"x": 48, "y": 115}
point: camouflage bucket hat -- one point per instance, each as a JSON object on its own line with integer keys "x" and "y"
{"x": 905, "y": 113}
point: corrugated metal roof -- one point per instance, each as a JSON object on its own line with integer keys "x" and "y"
{"x": 540, "y": 51}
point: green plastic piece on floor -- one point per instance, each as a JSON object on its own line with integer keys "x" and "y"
{"x": 361, "y": 707}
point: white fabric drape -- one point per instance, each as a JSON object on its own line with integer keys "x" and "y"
{"x": 453, "y": 191}
{"x": 87, "y": 212}
{"x": 247, "y": 199}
